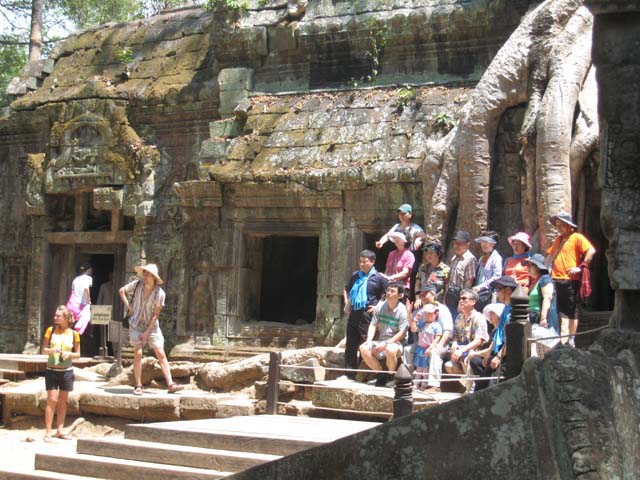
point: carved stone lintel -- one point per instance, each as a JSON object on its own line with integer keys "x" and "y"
{"x": 107, "y": 198}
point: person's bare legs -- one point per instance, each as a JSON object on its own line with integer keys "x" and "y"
{"x": 137, "y": 364}
{"x": 52, "y": 400}
{"x": 164, "y": 365}
{"x": 61, "y": 412}
{"x": 371, "y": 361}
{"x": 573, "y": 328}
{"x": 392, "y": 357}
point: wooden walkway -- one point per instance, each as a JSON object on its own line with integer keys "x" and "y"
{"x": 34, "y": 364}
{"x": 196, "y": 449}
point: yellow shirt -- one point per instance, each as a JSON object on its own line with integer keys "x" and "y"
{"x": 571, "y": 255}
{"x": 64, "y": 341}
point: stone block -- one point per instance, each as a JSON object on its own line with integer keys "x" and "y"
{"x": 230, "y": 99}
{"x": 282, "y": 39}
{"x": 286, "y": 390}
{"x": 113, "y": 402}
{"x": 214, "y": 149}
{"x": 310, "y": 372}
{"x": 107, "y": 198}
{"x": 225, "y": 129}
{"x": 236, "y": 79}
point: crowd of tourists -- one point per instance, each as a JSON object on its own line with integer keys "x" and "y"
{"x": 449, "y": 315}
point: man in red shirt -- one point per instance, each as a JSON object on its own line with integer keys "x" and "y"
{"x": 568, "y": 255}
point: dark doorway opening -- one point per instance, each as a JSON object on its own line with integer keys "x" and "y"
{"x": 289, "y": 279}
{"x": 382, "y": 254}
{"x": 103, "y": 265}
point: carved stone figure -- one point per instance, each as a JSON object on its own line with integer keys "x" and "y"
{"x": 202, "y": 300}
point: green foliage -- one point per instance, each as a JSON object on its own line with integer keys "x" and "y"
{"x": 234, "y": 5}
{"x": 442, "y": 122}
{"x": 12, "y": 59}
{"x": 377, "y": 41}
{"x": 405, "y": 95}
{"x": 89, "y": 13}
{"x": 125, "y": 55}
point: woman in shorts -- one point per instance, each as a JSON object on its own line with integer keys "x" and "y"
{"x": 147, "y": 300}
{"x": 62, "y": 344}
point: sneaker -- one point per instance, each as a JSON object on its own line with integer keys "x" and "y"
{"x": 432, "y": 390}
{"x": 344, "y": 378}
{"x": 381, "y": 380}
{"x": 571, "y": 342}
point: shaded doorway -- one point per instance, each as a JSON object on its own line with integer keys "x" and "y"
{"x": 289, "y": 279}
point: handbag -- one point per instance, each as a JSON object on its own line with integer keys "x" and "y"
{"x": 125, "y": 318}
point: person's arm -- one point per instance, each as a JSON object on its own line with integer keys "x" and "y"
{"x": 347, "y": 302}
{"x": 87, "y": 295}
{"x": 156, "y": 313}
{"x": 547, "y": 296}
{"x": 446, "y": 335}
{"x": 384, "y": 238}
{"x": 481, "y": 353}
{"x": 46, "y": 341}
{"x": 470, "y": 273}
{"x": 371, "y": 332}
{"x": 75, "y": 354}
{"x": 123, "y": 295}
{"x": 413, "y": 324}
{"x": 434, "y": 344}
{"x": 496, "y": 361}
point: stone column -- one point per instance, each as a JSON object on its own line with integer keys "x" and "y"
{"x": 616, "y": 36}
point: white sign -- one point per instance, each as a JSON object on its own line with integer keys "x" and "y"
{"x": 100, "y": 314}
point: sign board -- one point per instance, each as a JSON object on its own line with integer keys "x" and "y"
{"x": 101, "y": 314}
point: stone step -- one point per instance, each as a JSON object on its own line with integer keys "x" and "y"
{"x": 12, "y": 375}
{"x": 120, "y": 469}
{"x": 14, "y": 474}
{"x": 186, "y": 456}
{"x": 264, "y": 434}
{"x": 230, "y": 441}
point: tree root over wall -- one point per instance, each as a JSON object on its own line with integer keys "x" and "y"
{"x": 545, "y": 64}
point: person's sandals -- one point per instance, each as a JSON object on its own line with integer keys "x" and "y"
{"x": 174, "y": 387}
{"x": 63, "y": 436}
{"x": 49, "y": 439}
{"x": 137, "y": 390}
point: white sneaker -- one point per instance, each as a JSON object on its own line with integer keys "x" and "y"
{"x": 343, "y": 378}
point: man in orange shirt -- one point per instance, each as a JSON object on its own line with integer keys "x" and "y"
{"x": 568, "y": 255}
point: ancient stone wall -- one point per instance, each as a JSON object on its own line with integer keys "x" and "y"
{"x": 170, "y": 140}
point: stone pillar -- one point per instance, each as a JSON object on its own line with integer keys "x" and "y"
{"x": 616, "y": 36}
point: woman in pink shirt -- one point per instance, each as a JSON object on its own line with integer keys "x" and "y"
{"x": 400, "y": 261}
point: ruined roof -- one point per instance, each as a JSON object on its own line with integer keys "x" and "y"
{"x": 351, "y": 138}
{"x": 175, "y": 57}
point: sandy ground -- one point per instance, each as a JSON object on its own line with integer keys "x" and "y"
{"x": 24, "y": 439}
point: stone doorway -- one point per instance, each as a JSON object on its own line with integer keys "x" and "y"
{"x": 63, "y": 266}
{"x": 289, "y": 279}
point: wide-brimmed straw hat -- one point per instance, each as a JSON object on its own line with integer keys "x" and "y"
{"x": 152, "y": 268}
{"x": 522, "y": 237}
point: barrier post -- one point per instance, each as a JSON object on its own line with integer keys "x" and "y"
{"x": 273, "y": 383}
{"x": 517, "y": 333}
{"x": 403, "y": 393}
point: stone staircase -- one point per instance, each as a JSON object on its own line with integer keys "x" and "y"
{"x": 198, "y": 449}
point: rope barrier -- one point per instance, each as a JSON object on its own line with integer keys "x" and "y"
{"x": 304, "y": 367}
{"x": 569, "y": 335}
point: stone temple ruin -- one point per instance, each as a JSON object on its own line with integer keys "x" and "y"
{"x": 251, "y": 154}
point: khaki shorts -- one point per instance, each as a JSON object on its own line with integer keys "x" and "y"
{"x": 156, "y": 340}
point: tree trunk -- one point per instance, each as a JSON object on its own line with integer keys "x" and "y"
{"x": 35, "y": 40}
{"x": 570, "y": 62}
{"x": 543, "y": 64}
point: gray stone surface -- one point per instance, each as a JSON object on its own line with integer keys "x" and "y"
{"x": 572, "y": 415}
{"x": 310, "y": 372}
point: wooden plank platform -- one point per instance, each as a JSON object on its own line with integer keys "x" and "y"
{"x": 36, "y": 364}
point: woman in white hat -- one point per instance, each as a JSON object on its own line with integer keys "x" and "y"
{"x": 514, "y": 266}
{"x": 400, "y": 261}
{"x": 147, "y": 300}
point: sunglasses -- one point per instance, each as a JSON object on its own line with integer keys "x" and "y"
{"x": 466, "y": 298}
